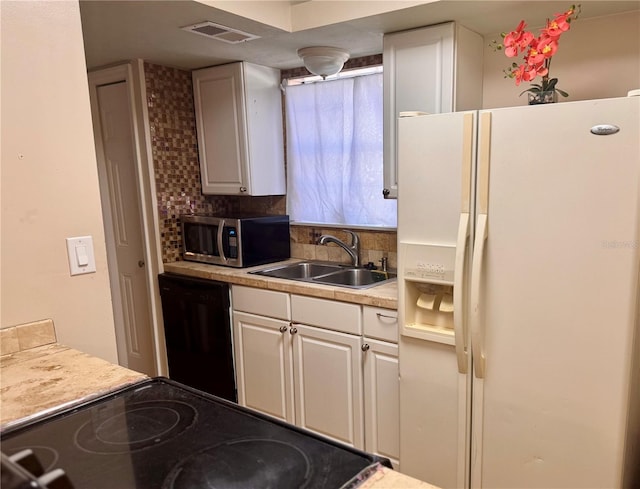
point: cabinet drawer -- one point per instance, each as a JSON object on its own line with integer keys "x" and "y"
{"x": 380, "y": 323}
{"x": 262, "y": 302}
{"x": 338, "y": 316}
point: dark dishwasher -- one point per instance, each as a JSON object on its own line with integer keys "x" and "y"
{"x": 198, "y": 333}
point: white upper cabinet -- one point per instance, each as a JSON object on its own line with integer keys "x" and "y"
{"x": 240, "y": 134}
{"x": 432, "y": 69}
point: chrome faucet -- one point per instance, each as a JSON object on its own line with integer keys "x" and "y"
{"x": 353, "y": 250}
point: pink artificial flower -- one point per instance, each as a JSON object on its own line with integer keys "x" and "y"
{"x": 537, "y": 52}
{"x": 544, "y": 48}
{"x": 518, "y": 74}
{"x": 539, "y": 69}
{"x": 556, "y": 27}
{"x": 517, "y": 40}
{"x": 529, "y": 74}
{"x": 547, "y": 46}
{"x": 533, "y": 56}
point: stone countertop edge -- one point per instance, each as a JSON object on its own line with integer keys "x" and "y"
{"x": 385, "y": 478}
{"x": 384, "y": 296}
{"x": 46, "y": 379}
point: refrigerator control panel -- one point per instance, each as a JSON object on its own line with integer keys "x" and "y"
{"x": 428, "y": 263}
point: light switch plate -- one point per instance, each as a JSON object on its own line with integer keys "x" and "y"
{"x": 80, "y": 254}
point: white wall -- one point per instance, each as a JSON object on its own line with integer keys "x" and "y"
{"x": 597, "y": 58}
{"x": 49, "y": 182}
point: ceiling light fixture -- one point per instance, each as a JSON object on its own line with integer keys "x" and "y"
{"x": 323, "y": 60}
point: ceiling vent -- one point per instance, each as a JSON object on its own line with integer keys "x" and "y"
{"x": 220, "y": 32}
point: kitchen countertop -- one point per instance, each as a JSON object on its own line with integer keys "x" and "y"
{"x": 385, "y": 478}
{"x": 385, "y": 295}
{"x": 49, "y": 378}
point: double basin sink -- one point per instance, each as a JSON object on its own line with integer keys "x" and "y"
{"x": 329, "y": 274}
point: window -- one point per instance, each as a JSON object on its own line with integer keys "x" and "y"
{"x": 334, "y": 153}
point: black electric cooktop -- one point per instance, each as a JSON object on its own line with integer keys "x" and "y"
{"x": 161, "y": 434}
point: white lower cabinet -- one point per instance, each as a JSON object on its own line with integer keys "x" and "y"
{"x": 264, "y": 372}
{"x": 319, "y": 376}
{"x": 381, "y": 399}
{"x": 381, "y": 383}
{"x": 327, "y": 375}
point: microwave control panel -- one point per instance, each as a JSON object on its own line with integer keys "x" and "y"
{"x": 232, "y": 242}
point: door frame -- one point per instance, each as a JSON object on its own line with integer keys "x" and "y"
{"x": 132, "y": 73}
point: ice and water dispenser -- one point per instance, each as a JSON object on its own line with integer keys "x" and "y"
{"x": 427, "y": 290}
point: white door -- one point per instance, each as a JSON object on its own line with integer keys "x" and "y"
{"x": 263, "y": 364}
{"x": 328, "y": 383}
{"x": 558, "y": 296}
{"x": 121, "y": 208}
{"x": 382, "y": 399}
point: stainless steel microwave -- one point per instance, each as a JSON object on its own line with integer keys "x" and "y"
{"x": 241, "y": 241}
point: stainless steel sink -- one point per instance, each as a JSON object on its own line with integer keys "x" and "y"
{"x": 328, "y": 274}
{"x": 356, "y": 277}
{"x": 302, "y": 270}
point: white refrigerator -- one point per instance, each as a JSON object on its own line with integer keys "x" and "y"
{"x": 519, "y": 259}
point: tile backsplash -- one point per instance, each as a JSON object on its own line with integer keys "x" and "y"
{"x": 177, "y": 174}
{"x": 175, "y": 152}
{"x": 374, "y": 245}
{"x": 27, "y": 336}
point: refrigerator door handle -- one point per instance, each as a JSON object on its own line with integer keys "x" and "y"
{"x": 477, "y": 328}
{"x": 459, "y": 325}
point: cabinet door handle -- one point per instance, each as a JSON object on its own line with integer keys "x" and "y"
{"x": 293, "y": 330}
{"x": 385, "y": 192}
{"x": 365, "y": 347}
{"x": 379, "y": 315}
{"x": 140, "y": 263}
{"x": 283, "y": 329}
{"x": 243, "y": 189}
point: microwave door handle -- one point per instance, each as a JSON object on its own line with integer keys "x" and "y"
{"x": 221, "y": 226}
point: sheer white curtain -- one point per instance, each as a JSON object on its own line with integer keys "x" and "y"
{"x": 334, "y": 153}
